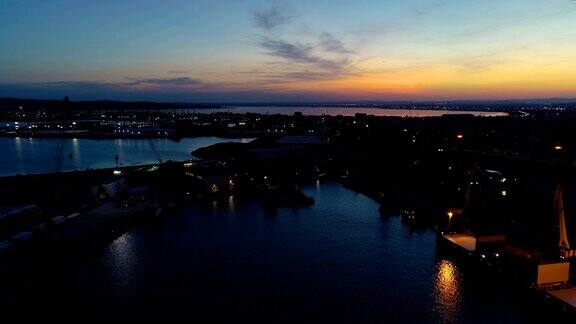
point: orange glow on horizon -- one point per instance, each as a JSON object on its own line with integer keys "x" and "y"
{"x": 503, "y": 82}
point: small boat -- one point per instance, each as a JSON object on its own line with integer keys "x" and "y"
{"x": 58, "y": 220}
{"x": 22, "y": 236}
{"x": 74, "y": 215}
{"x": 5, "y": 246}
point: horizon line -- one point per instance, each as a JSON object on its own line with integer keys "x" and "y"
{"x": 320, "y": 102}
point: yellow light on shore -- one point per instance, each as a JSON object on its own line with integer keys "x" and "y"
{"x": 460, "y": 136}
{"x": 450, "y": 214}
{"x": 558, "y": 147}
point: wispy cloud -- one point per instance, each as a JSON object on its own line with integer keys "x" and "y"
{"x": 267, "y": 78}
{"x": 330, "y": 43}
{"x": 303, "y": 61}
{"x": 300, "y": 53}
{"x": 95, "y": 90}
{"x": 314, "y": 56}
{"x": 178, "y": 82}
{"x": 131, "y": 85}
{"x": 178, "y": 71}
{"x": 270, "y": 18}
{"x": 77, "y": 85}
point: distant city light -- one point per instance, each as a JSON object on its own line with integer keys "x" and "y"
{"x": 460, "y": 136}
{"x": 117, "y": 172}
{"x": 558, "y": 147}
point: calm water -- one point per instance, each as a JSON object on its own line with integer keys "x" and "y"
{"x": 347, "y": 111}
{"x": 42, "y": 155}
{"x": 338, "y": 261}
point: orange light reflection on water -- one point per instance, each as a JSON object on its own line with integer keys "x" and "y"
{"x": 447, "y": 288}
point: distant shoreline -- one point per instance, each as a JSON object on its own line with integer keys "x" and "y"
{"x": 462, "y": 105}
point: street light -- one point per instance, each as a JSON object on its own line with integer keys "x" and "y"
{"x": 450, "y": 215}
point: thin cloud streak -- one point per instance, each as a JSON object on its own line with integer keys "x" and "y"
{"x": 178, "y": 71}
{"x": 330, "y": 43}
{"x": 300, "y": 53}
{"x": 269, "y": 19}
{"x": 324, "y": 57}
{"x": 178, "y": 82}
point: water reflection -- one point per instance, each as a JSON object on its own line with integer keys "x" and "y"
{"x": 75, "y": 155}
{"x": 123, "y": 265}
{"x": 231, "y": 204}
{"x": 119, "y": 152}
{"x": 44, "y": 155}
{"x": 18, "y": 146}
{"x": 337, "y": 261}
{"x": 447, "y": 286}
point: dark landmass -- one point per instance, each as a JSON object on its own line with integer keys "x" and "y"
{"x": 100, "y": 105}
{"x": 464, "y": 105}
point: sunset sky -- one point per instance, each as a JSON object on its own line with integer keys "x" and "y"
{"x": 322, "y": 50}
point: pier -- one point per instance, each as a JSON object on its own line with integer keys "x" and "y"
{"x": 566, "y": 296}
{"x": 462, "y": 240}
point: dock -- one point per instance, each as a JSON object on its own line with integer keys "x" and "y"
{"x": 101, "y": 218}
{"x": 566, "y": 295}
{"x": 463, "y": 240}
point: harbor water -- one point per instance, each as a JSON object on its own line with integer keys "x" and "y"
{"x": 44, "y": 155}
{"x": 337, "y": 261}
